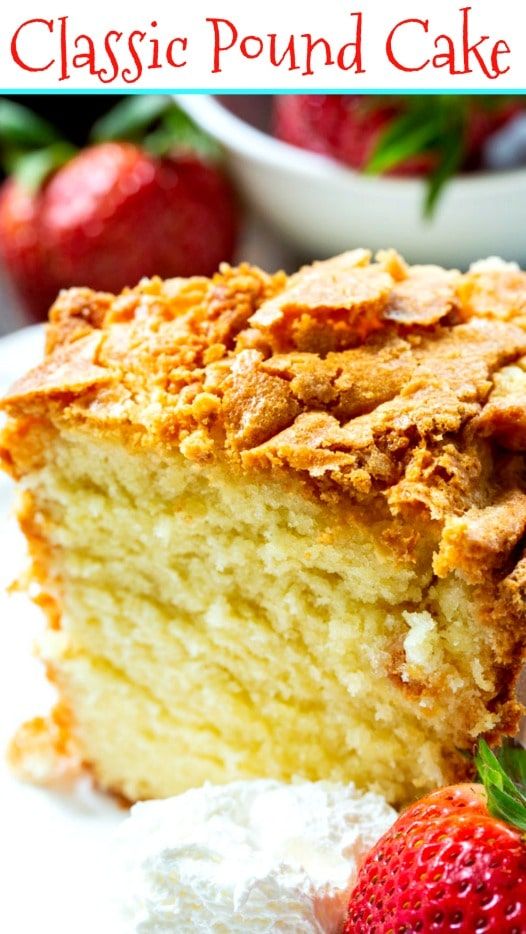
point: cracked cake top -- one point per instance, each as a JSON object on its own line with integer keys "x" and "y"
{"x": 386, "y": 381}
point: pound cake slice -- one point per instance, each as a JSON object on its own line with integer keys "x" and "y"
{"x": 278, "y": 523}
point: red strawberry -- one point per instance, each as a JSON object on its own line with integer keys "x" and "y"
{"x": 453, "y": 862}
{"x": 21, "y": 245}
{"x": 435, "y": 136}
{"x": 350, "y": 127}
{"x": 346, "y": 127}
{"x": 114, "y": 213}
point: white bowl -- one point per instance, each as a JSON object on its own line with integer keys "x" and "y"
{"x": 323, "y": 208}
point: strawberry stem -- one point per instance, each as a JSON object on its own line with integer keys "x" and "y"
{"x": 504, "y": 778}
{"x": 30, "y": 147}
{"x": 156, "y": 123}
{"x": 436, "y": 126}
{"x": 31, "y": 169}
{"x": 21, "y": 128}
{"x": 130, "y": 118}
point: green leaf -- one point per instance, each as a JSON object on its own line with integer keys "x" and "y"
{"x": 158, "y": 142}
{"x": 448, "y": 166}
{"x": 20, "y": 127}
{"x": 408, "y": 140}
{"x": 130, "y": 118}
{"x": 507, "y": 808}
{"x": 158, "y": 124}
{"x": 31, "y": 169}
{"x": 180, "y": 132}
{"x": 506, "y": 796}
{"x": 513, "y": 761}
{"x": 436, "y": 125}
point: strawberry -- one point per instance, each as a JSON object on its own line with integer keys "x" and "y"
{"x": 116, "y": 211}
{"x": 346, "y": 127}
{"x": 433, "y": 136}
{"x": 453, "y": 862}
{"x": 21, "y": 245}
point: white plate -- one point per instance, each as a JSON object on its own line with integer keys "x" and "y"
{"x": 53, "y": 847}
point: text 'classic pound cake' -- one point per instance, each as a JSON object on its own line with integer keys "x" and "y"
{"x": 277, "y": 524}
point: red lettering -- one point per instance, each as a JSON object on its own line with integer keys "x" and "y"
{"x": 87, "y": 58}
{"x": 14, "y": 45}
{"x": 104, "y": 75}
{"x": 311, "y": 45}
{"x": 445, "y": 59}
{"x": 355, "y": 48}
{"x": 424, "y": 23}
{"x": 470, "y": 50}
{"x": 500, "y": 48}
{"x": 128, "y": 75}
{"x": 218, "y": 47}
{"x": 155, "y": 63}
{"x": 170, "y": 52}
{"x": 290, "y": 52}
{"x": 244, "y": 47}
{"x": 64, "y": 75}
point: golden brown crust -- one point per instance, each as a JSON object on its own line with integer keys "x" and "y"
{"x": 503, "y": 418}
{"x": 425, "y": 296}
{"x": 417, "y": 411}
{"x": 74, "y": 371}
{"x": 416, "y": 408}
{"x": 400, "y": 389}
{"x": 483, "y": 539}
{"x": 496, "y": 291}
{"x": 327, "y": 306}
{"x": 44, "y": 752}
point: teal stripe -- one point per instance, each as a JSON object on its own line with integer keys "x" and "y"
{"x": 302, "y": 90}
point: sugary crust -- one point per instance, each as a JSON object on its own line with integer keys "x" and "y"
{"x": 397, "y": 389}
{"x": 412, "y": 393}
{"x": 44, "y": 752}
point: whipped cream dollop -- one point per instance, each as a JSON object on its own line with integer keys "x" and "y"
{"x": 250, "y": 856}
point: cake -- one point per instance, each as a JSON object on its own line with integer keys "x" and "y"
{"x": 277, "y": 525}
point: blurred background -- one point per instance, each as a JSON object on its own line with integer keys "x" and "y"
{"x": 73, "y": 115}
{"x": 99, "y": 190}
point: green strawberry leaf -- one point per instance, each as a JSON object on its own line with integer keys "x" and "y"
{"x": 178, "y": 131}
{"x": 130, "y": 118}
{"x": 20, "y": 127}
{"x": 513, "y": 761}
{"x": 435, "y": 125}
{"x": 503, "y": 776}
{"x": 507, "y": 808}
{"x": 406, "y": 137}
{"x": 448, "y": 166}
{"x": 156, "y": 123}
{"x": 31, "y": 169}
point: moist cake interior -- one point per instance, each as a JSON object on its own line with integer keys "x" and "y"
{"x": 218, "y": 629}
{"x": 217, "y": 609}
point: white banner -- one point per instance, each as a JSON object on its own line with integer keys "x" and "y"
{"x": 238, "y": 45}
